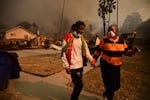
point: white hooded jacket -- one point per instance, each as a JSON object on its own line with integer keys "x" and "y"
{"x": 76, "y": 54}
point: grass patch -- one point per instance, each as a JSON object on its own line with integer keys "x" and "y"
{"x": 40, "y": 65}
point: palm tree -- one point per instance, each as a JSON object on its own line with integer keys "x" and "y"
{"x": 106, "y": 7}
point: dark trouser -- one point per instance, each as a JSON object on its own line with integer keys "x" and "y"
{"x": 76, "y": 75}
{"x": 111, "y": 79}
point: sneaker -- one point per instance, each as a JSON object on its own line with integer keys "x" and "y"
{"x": 104, "y": 96}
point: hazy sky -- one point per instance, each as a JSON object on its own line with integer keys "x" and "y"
{"x": 48, "y": 13}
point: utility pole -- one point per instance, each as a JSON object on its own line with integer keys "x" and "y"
{"x": 117, "y": 12}
{"x": 61, "y": 21}
{"x": 105, "y": 7}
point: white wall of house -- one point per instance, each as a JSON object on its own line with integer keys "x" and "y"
{"x": 19, "y": 33}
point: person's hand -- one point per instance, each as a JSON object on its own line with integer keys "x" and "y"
{"x": 93, "y": 62}
{"x": 68, "y": 70}
{"x": 135, "y": 50}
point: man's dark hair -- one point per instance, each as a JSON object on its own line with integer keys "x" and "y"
{"x": 78, "y": 23}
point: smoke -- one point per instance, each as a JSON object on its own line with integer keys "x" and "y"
{"x": 131, "y": 22}
{"x": 51, "y": 18}
{"x": 147, "y": 2}
{"x": 126, "y": 7}
{"x": 38, "y": 11}
{"x": 47, "y": 13}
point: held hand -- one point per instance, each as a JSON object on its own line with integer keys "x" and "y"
{"x": 93, "y": 62}
{"x": 68, "y": 70}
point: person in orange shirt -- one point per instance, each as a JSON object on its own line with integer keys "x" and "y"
{"x": 111, "y": 49}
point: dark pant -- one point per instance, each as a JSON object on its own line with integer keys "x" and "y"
{"x": 76, "y": 75}
{"x": 111, "y": 79}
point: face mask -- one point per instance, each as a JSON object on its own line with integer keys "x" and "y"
{"x": 75, "y": 34}
{"x": 111, "y": 34}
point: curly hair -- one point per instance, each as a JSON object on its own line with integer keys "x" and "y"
{"x": 77, "y": 25}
